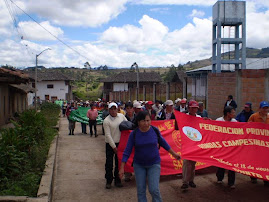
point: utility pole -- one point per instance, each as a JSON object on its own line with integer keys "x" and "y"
{"x": 36, "y": 59}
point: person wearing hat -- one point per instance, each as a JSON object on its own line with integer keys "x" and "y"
{"x": 168, "y": 112}
{"x": 148, "y": 107}
{"x": 262, "y": 117}
{"x": 183, "y": 105}
{"x": 188, "y": 169}
{"x": 112, "y": 139}
{"x": 244, "y": 115}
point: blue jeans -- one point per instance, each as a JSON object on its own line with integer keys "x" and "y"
{"x": 152, "y": 173}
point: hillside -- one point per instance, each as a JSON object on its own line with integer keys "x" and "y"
{"x": 87, "y": 85}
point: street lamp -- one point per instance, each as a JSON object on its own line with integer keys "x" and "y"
{"x": 36, "y": 57}
{"x": 137, "y": 80}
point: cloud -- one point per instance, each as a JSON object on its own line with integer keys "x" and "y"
{"x": 196, "y": 13}
{"x": 33, "y": 31}
{"x": 160, "y": 10}
{"x": 132, "y": 39}
{"x": 177, "y": 2}
{"x": 88, "y": 13}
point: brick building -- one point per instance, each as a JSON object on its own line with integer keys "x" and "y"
{"x": 247, "y": 85}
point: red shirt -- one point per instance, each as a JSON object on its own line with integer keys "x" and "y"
{"x": 92, "y": 114}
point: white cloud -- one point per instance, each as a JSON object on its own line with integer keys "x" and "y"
{"x": 176, "y": 2}
{"x": 33, "y": 31}
{"x": 90, "y": 13}
{"x": 196, "y": 13}
{"x": 131, "y": 38}
{"x": 160, "y": 10}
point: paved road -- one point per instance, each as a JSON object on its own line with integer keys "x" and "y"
{"x": 80, "y": 177}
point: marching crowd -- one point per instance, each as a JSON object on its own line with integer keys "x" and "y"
{"x": 146, "y": 138}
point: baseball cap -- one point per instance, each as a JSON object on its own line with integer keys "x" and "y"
{"x": 112, "y": 104}
{"x": 193, "y": 103}
{"x": 149, "y": 102}
{"x": 248, "y": 104}
{"x": 169, "y": 102}
{"x": 137, "y": 105}
{"x": 177, "y": 100}
{"x": 264, "y": 104}
{"x": 184, "y": 100}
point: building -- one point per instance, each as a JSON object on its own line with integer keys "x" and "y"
{"x": 13, "y": 93}
{"x": 123, "y": 86}
{"x": 52, "y": 86}
{"x": 246, "y": 85}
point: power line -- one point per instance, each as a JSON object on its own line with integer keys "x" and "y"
{"x": 49, "y": 31}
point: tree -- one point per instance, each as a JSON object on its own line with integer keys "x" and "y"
{"x": 134, "y": 67}
{"x": 87, "y": 65}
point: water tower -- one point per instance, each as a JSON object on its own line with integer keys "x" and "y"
{"x": 229, "y": 35}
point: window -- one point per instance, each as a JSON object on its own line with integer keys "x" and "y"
{"x": 50, "y": 86}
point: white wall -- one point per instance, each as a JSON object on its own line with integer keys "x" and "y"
{"x": 120, "y": 86}
{"x": 59, "y": 89}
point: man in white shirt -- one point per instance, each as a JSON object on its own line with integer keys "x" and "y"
{"x": 112, "y": 139}
{"x": 188, "y": 170}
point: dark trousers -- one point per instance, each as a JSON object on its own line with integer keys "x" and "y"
{"x": 83, "y": 128}
{"x": 93, "y": 123}
{"x": 231, "y": 176}
{"x": 110, "y": 155}
{"x": 103, "y": 130}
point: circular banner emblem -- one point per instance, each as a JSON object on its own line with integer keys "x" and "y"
{"x": 192, "y": 133}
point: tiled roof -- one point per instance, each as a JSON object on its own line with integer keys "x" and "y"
{"x": 25, "y": 88}
{"x": 13, "y": 76}
{"x": 132, "y": 77}
{"x": 50, "y": 76}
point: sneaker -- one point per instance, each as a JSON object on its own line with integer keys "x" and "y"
{"x": 192, "y": 184}
{"x": 185, "y": 186}
{"x": 232, "y": 186}
{"x": 96, "y": 135}
{"x": 108, "y": 186}
{"x": 219, "y": 182}
{"x": 119, "y": 185}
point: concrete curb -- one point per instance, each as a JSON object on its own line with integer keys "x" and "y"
{"x": 45, "y": 190}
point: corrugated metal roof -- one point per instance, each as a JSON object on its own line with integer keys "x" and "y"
{"x": 251, "y": 63}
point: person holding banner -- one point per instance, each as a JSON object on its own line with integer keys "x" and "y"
{"x": 188, "y": 169}
{"x": 228, "y": 115}
{"x": 261, "y": 116}
{"x": 146, "y": 163}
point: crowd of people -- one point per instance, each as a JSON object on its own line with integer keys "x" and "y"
{"x": 146, "y": 138}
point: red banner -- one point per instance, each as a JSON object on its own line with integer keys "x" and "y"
{"x": 169, "y": 165}
{"x": 241, "y": 147}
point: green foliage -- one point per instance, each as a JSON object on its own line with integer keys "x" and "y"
{"x": 23, "y": 151}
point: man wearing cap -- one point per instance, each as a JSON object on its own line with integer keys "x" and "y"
{"x": 183, "y": 105}
{"x": 112, "y": 138}
{"x": 148, "y": 108}
{"x": 244, "y": 115}
{"x": 188, "y": 170}
{"x": 262, "y": 117}
{"x": 168, "y": 112}
{"x": 137, "y": 108}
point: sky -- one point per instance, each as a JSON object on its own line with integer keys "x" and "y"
{"x": 116, "y": 33}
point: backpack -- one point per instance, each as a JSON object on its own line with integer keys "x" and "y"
{"x": 156, "y": 130}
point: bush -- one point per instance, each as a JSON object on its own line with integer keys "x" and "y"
{"x": 24, "y": 149}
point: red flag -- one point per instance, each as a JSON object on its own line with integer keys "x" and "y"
{"x": 241, "y": 147}
{"x": 169, "y": 165}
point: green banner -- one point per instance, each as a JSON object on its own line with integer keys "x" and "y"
{"x": 59, "y": 102}
{"x": 80, "y": 115}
